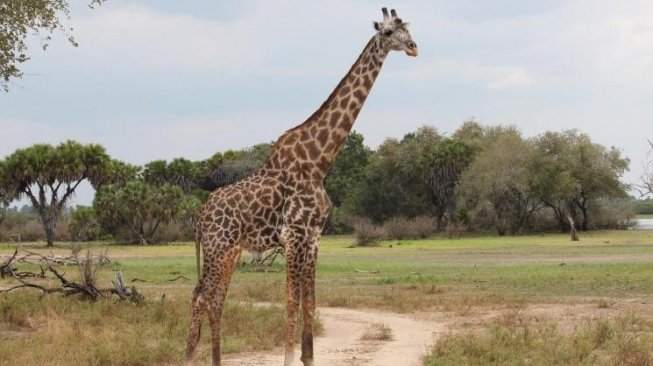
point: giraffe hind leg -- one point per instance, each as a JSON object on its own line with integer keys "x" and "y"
{"x": 195, "y": 323}
{"x": 218, "y": 273}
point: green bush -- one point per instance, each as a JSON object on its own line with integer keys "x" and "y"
{"x": 644, "y": 207}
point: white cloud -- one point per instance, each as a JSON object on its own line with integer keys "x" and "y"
{"x": 510, "y": 79}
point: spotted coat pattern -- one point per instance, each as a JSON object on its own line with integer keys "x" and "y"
{"x": 284, "y": 203}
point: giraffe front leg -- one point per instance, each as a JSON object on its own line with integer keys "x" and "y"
{"x": 308, "y": 303}
{"x": 293, "y": 291}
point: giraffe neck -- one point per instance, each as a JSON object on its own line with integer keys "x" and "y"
{"x": 313, "y": 145}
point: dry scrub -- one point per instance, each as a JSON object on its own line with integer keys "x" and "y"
{"x": 514, "y": 339}
{"x": 63, "y": 331}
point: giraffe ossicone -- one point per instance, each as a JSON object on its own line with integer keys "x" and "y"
{"x": 284, "y": 203}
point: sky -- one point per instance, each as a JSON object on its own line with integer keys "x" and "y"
{"x": 164, "y": 79}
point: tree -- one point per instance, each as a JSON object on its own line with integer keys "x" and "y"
{"x": 48, "y": 176}
{"x": 180, "y": 172}
{"x": 231, "y": 166}
{"x": 441, "y": 166}
{"x": 21, "y": 18}
{"x": 348, "y": 169}
{"x": 572, "y": 172}
{"x": 646, "y": 186}
{"x": 83, "y": 224}
{"x": 119, "y": 173}
{"x": 347, "y": 172}
{"x": 139, "y": 207}
{"x": 498, "y": 180}
{"x": 393, "y": 184}
{"x": 4, "y": 200}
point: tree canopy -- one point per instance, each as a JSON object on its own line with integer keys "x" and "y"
{"x": 22, "y": 18}
{"x": 140, "y": 207}
{"x": 49, "y": 175}
{"x": 487, "y": 178}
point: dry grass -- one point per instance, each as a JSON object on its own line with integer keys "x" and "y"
{"x": 464, "y": 277}
{"x": 514, "y": 339}
{"x": 64, "y": 331}
{"x": 378, "y": 332}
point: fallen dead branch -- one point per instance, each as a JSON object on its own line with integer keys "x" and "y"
{"x": 179, "y": 278}
{"x": 87, "y": 268}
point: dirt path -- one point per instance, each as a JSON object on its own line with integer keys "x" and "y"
{"x": 341, "y": 343}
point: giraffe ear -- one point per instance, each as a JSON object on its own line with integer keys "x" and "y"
{"x": 377, "y": 25}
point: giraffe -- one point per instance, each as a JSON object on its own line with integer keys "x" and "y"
{"x": 284, "y": 203}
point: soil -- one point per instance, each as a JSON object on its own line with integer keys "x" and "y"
{"x": 341, "y": 343}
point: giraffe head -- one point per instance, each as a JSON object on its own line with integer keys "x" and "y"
{"x": 394, "y": 33}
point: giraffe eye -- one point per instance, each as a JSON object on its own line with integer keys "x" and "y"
{"x": 388, "y": 33}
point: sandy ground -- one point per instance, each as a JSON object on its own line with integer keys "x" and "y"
{"x": 341, "y": 343}
{"x": 413, "y": 334}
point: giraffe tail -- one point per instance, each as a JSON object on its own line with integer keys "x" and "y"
{"x": 197, "y": 259}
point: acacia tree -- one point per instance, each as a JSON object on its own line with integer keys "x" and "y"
{"x": 21, "y": 18}
{"x": 48, "y": 176}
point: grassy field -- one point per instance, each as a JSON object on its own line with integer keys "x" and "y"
{"x": 463, "y": 277}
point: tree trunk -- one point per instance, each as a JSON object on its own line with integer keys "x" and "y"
{"x": 573, "y": 232}
{"x": 49, "y": 232}
{"x": 48, "y": 226}
{"x": 585, "y": 224}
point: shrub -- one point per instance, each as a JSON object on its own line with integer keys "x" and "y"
{"x": 61, "y": 231}
{"x": 513, "y": 339}
{"x": 339, "y": 222}
{"x": 174, "y": 231}
{"x": 83, "y": 224}
{"x": 366, "y": 232}
{"x": 644, "y": 207}
{"x": 378, "y": 332}
{"x": 419, "y": 227}
{"x": 32, "y": 230}
{"x": 612, "y": 214}
{"x": 455, "y": 230}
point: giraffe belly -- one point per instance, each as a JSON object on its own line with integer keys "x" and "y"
{"x": 262, "y": 237}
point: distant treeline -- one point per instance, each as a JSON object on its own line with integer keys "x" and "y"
{"x": 479, "y": 178}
